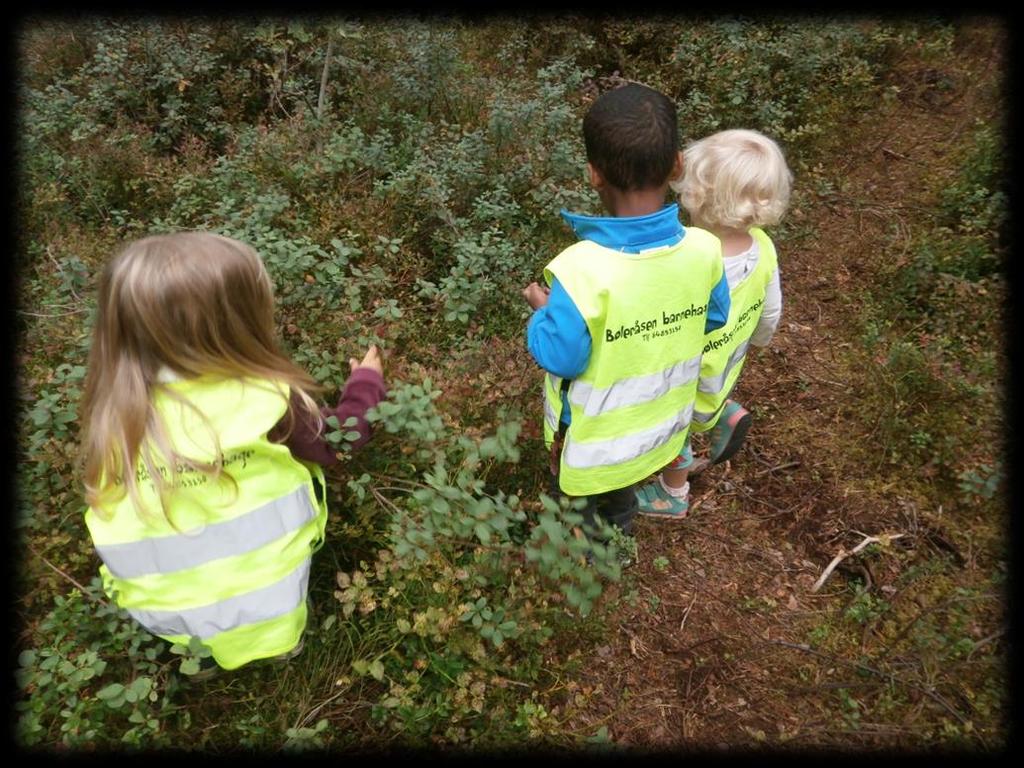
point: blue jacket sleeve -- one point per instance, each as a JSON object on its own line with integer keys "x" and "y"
{"x": 719, "y": 304}
{"x": 557, "y": 336}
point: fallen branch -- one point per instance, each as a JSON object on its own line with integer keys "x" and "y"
{"x": 58, "y": 314}
{"x": 984, "y": 641}
{"x": 882, "y": 539}
{"x": 891, "y": 153}
{"x": 384, "y": 501}
{"x": 687, "y": 612}
{"x": 81, "y": 589}
{"x": 788, "y": 465}
{"x": 322, "y": 98}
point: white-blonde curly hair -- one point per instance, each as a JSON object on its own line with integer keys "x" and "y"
{"x": 736, "y": 178}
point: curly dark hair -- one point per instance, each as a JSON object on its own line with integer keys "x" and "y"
{"x": 632, "y": 136}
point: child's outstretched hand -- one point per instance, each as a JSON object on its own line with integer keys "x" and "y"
{"x": 371, "y": 360}
{"x": 536, "y": 295}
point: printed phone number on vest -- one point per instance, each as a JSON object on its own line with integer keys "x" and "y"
{"x": 645, "y": 326}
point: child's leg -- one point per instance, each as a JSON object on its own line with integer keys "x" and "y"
{"x": 617, "y": 508}
{"x": 668, "y": 495}
{"x": 555, "y": 459}
{"x": 674, "y": 476}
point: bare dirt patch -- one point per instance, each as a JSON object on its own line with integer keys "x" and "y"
{"x": 710, "y": 641}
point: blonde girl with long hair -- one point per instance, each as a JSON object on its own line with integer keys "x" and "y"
{"x": 203, "y": 448}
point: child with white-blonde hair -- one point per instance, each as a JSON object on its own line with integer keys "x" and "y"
{"x": 203, "y": 448}
{"x": 734, "y": 183}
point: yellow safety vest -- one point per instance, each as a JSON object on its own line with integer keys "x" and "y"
{"x": 725, "y": 350}
{"x": 233, "y": 570}
{"x": 631, "y": 407}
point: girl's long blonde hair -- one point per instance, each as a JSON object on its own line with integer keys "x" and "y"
{"x": 198, "y": 304}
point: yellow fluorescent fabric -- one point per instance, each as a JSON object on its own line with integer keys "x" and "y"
{"x": 631, "y": 407}
{"x": 725, "y": 350}
{"x": 231, "y": 559}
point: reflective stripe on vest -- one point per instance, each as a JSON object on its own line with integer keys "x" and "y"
{"x": 712, "y": 385}
{"x": 624, "y": 448}
{"x": 645, "y": 313}
{"x": 207, "y": 621}
{"x": 632, "y": 391}
{"x": 551, "y": 416}
{"x": 167, "y": 554}
{"x": 234, "y": 566}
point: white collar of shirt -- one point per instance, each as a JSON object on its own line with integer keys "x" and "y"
{"x": 742, "y": 264}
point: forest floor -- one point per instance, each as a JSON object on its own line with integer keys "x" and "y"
{"x": 716, "y": 636}
{"x": 721, "y": 640}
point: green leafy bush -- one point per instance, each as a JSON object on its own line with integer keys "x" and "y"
{"x": 95, "y": 678}
{"x": 406, "y": 204}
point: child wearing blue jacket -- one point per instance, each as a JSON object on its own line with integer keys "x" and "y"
{"x": 632, "y": 143}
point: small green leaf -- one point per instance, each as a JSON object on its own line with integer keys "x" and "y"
{"x": 109, "y": 692}
{"x": 483, "y": 532}
{"x": 377, "y": 670}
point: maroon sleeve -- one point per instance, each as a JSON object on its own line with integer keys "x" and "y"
{"x": 363, "y": 390}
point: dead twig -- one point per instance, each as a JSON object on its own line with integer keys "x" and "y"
{"x": 882, "y": 539}
{"x": 760, "y": 501}
{"x": 984, "y": 641}
{"x": 636, "y": 645}
{"x": 687, "y": 612}
{"x": 309, "y": 715}
{"x": 891, "y": 153}
{"x": 81, "y": 589}
{"x": 825, "y": 381}
{"x": 699, "y": 501}
{"x": 58, "y": 314}
{"x": 384, "y": 501}
{"x": 322, "y": 98}
{"x": 787, "y": 465}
